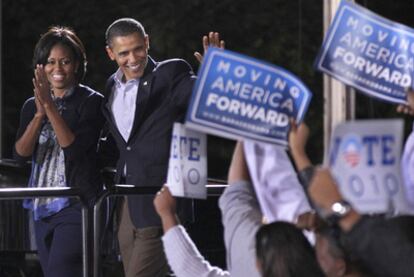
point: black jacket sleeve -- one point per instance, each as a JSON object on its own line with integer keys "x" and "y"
{"x": 383, "y": 246}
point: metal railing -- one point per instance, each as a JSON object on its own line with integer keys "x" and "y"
{"x": 23, "y": 193}
{"x": 214, "y": 188}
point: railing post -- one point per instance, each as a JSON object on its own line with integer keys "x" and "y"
{"x": 122, "y": 190}
{"x": 85, "y": 241}
{"x": 23, "y": 193}
{"x": 97, "y": 232}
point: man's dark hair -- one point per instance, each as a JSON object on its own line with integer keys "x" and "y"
{"x": 123, "y": 27}
{"x": 283, "y": 250}
{"x": 332, "y": 234}
{"x": 64, "y": 36}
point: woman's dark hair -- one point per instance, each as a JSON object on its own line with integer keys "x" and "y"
{"x": 64, "y": 36}
{"x": 283, "y": 251}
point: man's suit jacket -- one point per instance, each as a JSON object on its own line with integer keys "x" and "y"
{"x": 163, "y": 96}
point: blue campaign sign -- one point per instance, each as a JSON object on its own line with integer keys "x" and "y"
{"x": 238, "y": 96}
{"x": 368, "y": 52}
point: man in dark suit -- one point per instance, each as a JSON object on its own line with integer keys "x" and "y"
{"x": 143, "y": 100}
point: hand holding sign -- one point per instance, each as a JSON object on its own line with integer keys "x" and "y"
{"x": 409, "y": 107}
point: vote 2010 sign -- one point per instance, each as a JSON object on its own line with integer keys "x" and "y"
{"x": 368, "y": 52}
{"x": 187, "y": 168}
{"x": 365, "y": 161}
{"x": 238, "y": 96}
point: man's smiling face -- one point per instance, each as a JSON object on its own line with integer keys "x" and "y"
{"x": 130, "y": 53}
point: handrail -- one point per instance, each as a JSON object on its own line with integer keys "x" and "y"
{"x": 214, "y": 188}
{"x": 11, "y": 163}
{"x": 22, "y": 193}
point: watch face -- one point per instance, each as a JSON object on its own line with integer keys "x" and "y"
{"x": 340, "y": 208}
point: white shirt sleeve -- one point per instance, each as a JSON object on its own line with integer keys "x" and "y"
{"x": 184, "y": 258}
{"x": 407, "y": 167}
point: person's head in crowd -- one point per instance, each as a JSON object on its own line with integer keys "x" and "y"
{"x": 63, "y": 57}
{"x": 283, "y": 250}
{"x": 127, "y": 44}
{"x": 332, "y": 257}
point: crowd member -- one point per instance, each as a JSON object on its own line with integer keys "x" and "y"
{"x": 378, "y": 246}
{"x": 182, "y": 254}
{"x": 333, "y": 258}
{"x": 242, "y": 218}
{"x": 283, "y": 250}
{"x": 384, "y": 246}
{"x": 407, "y": 161}
{"x": 144, "y": 99}
{"x": 329, "y": 252}
{"x": 298, "y": 137}
{"x": 186, "y": 260}
{"x": 59, "y": 129}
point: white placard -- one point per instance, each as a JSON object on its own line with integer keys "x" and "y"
{"x": 187, "y": 168}
{"x": 280, "y": 195}
{"x": 365, "y": 161}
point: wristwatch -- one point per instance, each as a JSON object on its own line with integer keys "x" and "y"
{"x": 338, "y": 210}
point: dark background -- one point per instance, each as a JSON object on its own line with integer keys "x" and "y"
{"x": 287, "y": 33}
